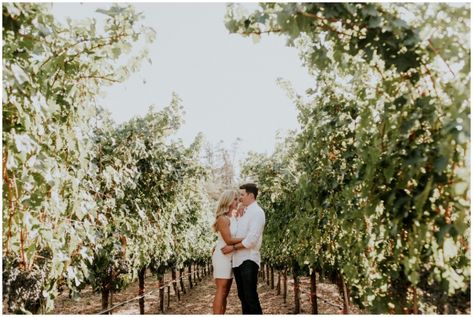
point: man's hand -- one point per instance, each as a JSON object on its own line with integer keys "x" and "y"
{"x": 240, "y": 210}
{"x": 227, "y": 249}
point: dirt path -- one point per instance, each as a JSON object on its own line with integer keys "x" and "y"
{"x": 198, "y": 300}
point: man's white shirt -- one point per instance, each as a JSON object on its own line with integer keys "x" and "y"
{"x": 250, "y": 226}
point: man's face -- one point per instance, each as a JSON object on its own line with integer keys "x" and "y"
{"x": 245, "y": 198}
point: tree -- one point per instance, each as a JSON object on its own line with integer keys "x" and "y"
{"x": 220, "y": 161}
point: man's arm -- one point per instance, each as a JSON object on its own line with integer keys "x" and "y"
{"x": 255, "y": 231}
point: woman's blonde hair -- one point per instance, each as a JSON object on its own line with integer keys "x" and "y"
{"x": 225, "y": 200}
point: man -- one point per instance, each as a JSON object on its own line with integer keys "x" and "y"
{"x": 246, "y": 254}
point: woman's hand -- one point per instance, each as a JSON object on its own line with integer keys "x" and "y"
{"x": 227, "y": 249}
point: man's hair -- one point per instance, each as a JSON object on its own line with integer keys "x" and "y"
{"x": 250, "y": 188}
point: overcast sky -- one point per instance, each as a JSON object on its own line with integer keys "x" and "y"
{"x": 226, "y": 82}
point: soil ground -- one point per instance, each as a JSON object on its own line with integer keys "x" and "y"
{"x": 198, "y": 300}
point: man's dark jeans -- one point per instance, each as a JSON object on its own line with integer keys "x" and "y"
{"x": 246, "y": 277}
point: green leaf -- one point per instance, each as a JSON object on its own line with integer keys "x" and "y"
{"x": 19, "y": 74}
{"x": 419, "y": 200}
{"x": 374, "y": 21}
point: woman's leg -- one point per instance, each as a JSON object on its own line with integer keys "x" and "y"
{"x": 220, "y": 283}
{"x": 228, "y": 286}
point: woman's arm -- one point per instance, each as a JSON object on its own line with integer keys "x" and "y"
{"x": 223, "y": 225}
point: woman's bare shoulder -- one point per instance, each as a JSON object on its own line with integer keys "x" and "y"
{"x": 223, "y": 220}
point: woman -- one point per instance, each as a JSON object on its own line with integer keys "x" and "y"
{"x": 225, "y": 226}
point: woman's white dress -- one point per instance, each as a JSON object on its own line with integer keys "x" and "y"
{"x": 222, "y": 263}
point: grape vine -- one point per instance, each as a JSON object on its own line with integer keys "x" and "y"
{"x": 86, "y": 201}
{"x": 374, "y": 187}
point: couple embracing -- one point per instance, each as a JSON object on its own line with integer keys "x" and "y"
{"x": 239, "y": 225}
